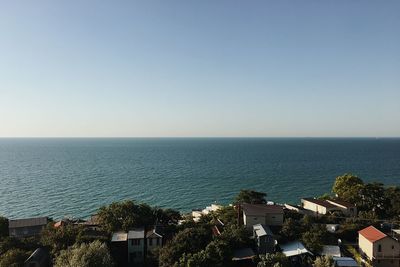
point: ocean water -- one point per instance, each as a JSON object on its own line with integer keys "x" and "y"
{"x": 74, "y": 177}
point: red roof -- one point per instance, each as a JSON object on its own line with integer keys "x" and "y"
{"x": 372, "y": 234}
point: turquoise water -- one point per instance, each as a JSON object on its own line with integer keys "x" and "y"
{"x": 73, "y": 177}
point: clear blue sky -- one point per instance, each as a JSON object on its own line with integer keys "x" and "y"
{"x": 200, "y": 68}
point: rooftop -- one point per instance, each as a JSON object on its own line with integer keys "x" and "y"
{"x": 119, "y": 236}
{"x": 40, "y": 221}
{"x": 372, "y": 234}
{"x": 341, "y": 203}
{"x": 294, "y": 248}
{"x": 345, "y": 262}
{"x": 262, "y": 230}
{"x": 261, "y": 209}
{"x": 320, "y": 202}
{"x": 137, "y": 233}
{"x": 333, "y": 251}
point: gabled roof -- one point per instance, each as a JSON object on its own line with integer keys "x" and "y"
{"x": 137, "y": 233}
{"x": 372, "y": 234}
{"x": 153, "y": 232}
{"x": 262, "y": 230}
{"x": 320, "y": 202}
{"x": 261, "y": 209}
{"x": 28, "y": 222}
{"x": 341, "y": 203}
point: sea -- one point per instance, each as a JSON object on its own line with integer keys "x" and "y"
{"x": 73, "y": 177}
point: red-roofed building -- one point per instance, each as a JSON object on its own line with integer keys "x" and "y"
{"x": 379, "y": 248}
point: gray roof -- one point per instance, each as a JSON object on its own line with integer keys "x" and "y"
{"x": 243, "y": 254}
{"x": 345, "y": 262}
{"x": 262, "y": 230}
{"x": 28, "y": 222}
{"x": 333, "y": 251}
{"x": 294, "y": 248}
{"x": 261, "y": 209}
{"x": 119, "y": 236}
{"x": 137, "y": 233}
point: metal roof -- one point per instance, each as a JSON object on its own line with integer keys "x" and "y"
{"x": 262, "y": 230}
{"x": 333, "y": 251}
{"x": 137, "y": 233}
{"x": 119, "y": 236}
{"x": 294, "y": 248}
{"x": 345, "y": 262}
{"x": 320, "y": 202}
{"x": 40, "y": 221}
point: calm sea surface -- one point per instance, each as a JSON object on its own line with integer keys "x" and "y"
{"x": 74, "y": 177}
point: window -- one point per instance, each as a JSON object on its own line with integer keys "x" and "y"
{"x": 135, "y": 242}
{"x": 132, "y": 256}
{"x": 392, "y": 247}
{"x": 379, "y": 248}
{"x": 150, "y": 241}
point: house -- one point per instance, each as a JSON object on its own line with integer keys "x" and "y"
{"x": 136, "y": 245}
{"x": 319, "y": 206}
{"x": 264, "y": 239}
{"x": 271, "y": 215}
{"x": 39, "y": 258}
{"x": 119, "y": 248}
{"x": 154, "y": 239}
{"x": 27, "y": 227}
{"x": 344, "y": 262}
{"x": 298, "y": 209}
{"x": 379, "y": 248}
{"x": 346, "y": 207}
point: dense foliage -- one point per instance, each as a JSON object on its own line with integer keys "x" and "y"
{"x": 251, "y": 197}
{"x": 127, "y": 214}
{"x": 14, "y": 258}
{"x": 3, "y": 227}
{"x": 323, "y": 262}
{"x": 85, "y": 255}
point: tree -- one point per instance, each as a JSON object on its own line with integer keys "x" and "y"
{"x": 251, "y": 197}
{"x": 59, "y": 238}
{"x": 3, "y": 227}
{"x": 85, "y": 255}
{"x": 189, "y": 241}
{"x": 291, "y": 229}
{"x": 315, "y": 238}
{"x": 323, "y": 262}
{"x": 347, "y": 187}
{"x": 373, "y": 198}
{"x": 13, "y": 258}
{"x": 127, "y": 214}
{"x": 274, "y": 260}
{"x": 392, "y": 194}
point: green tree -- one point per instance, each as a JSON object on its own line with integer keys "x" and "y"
{"x": 127, "y": 214}
{"x": 273, "y": 260}
{"x": 323, "y": 262}
{"x": 251, "y": 197}
{"x": 59, "y": 238}
{"x": 315, "y": 238}
{"x": 3, "y": 227}
{"x": 392, "y": 194}
{"x": 85, "y": 255}
{"x": 14, "y": 258}
{"x": 291, "y": 229}
{"x": 189, "y": 241}
{"x": 228, "y": 215}
{"x": 373, "y": 198}
{"x": 347, "y": 187}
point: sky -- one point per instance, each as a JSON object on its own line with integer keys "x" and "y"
{"x": 207, "y": 68}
